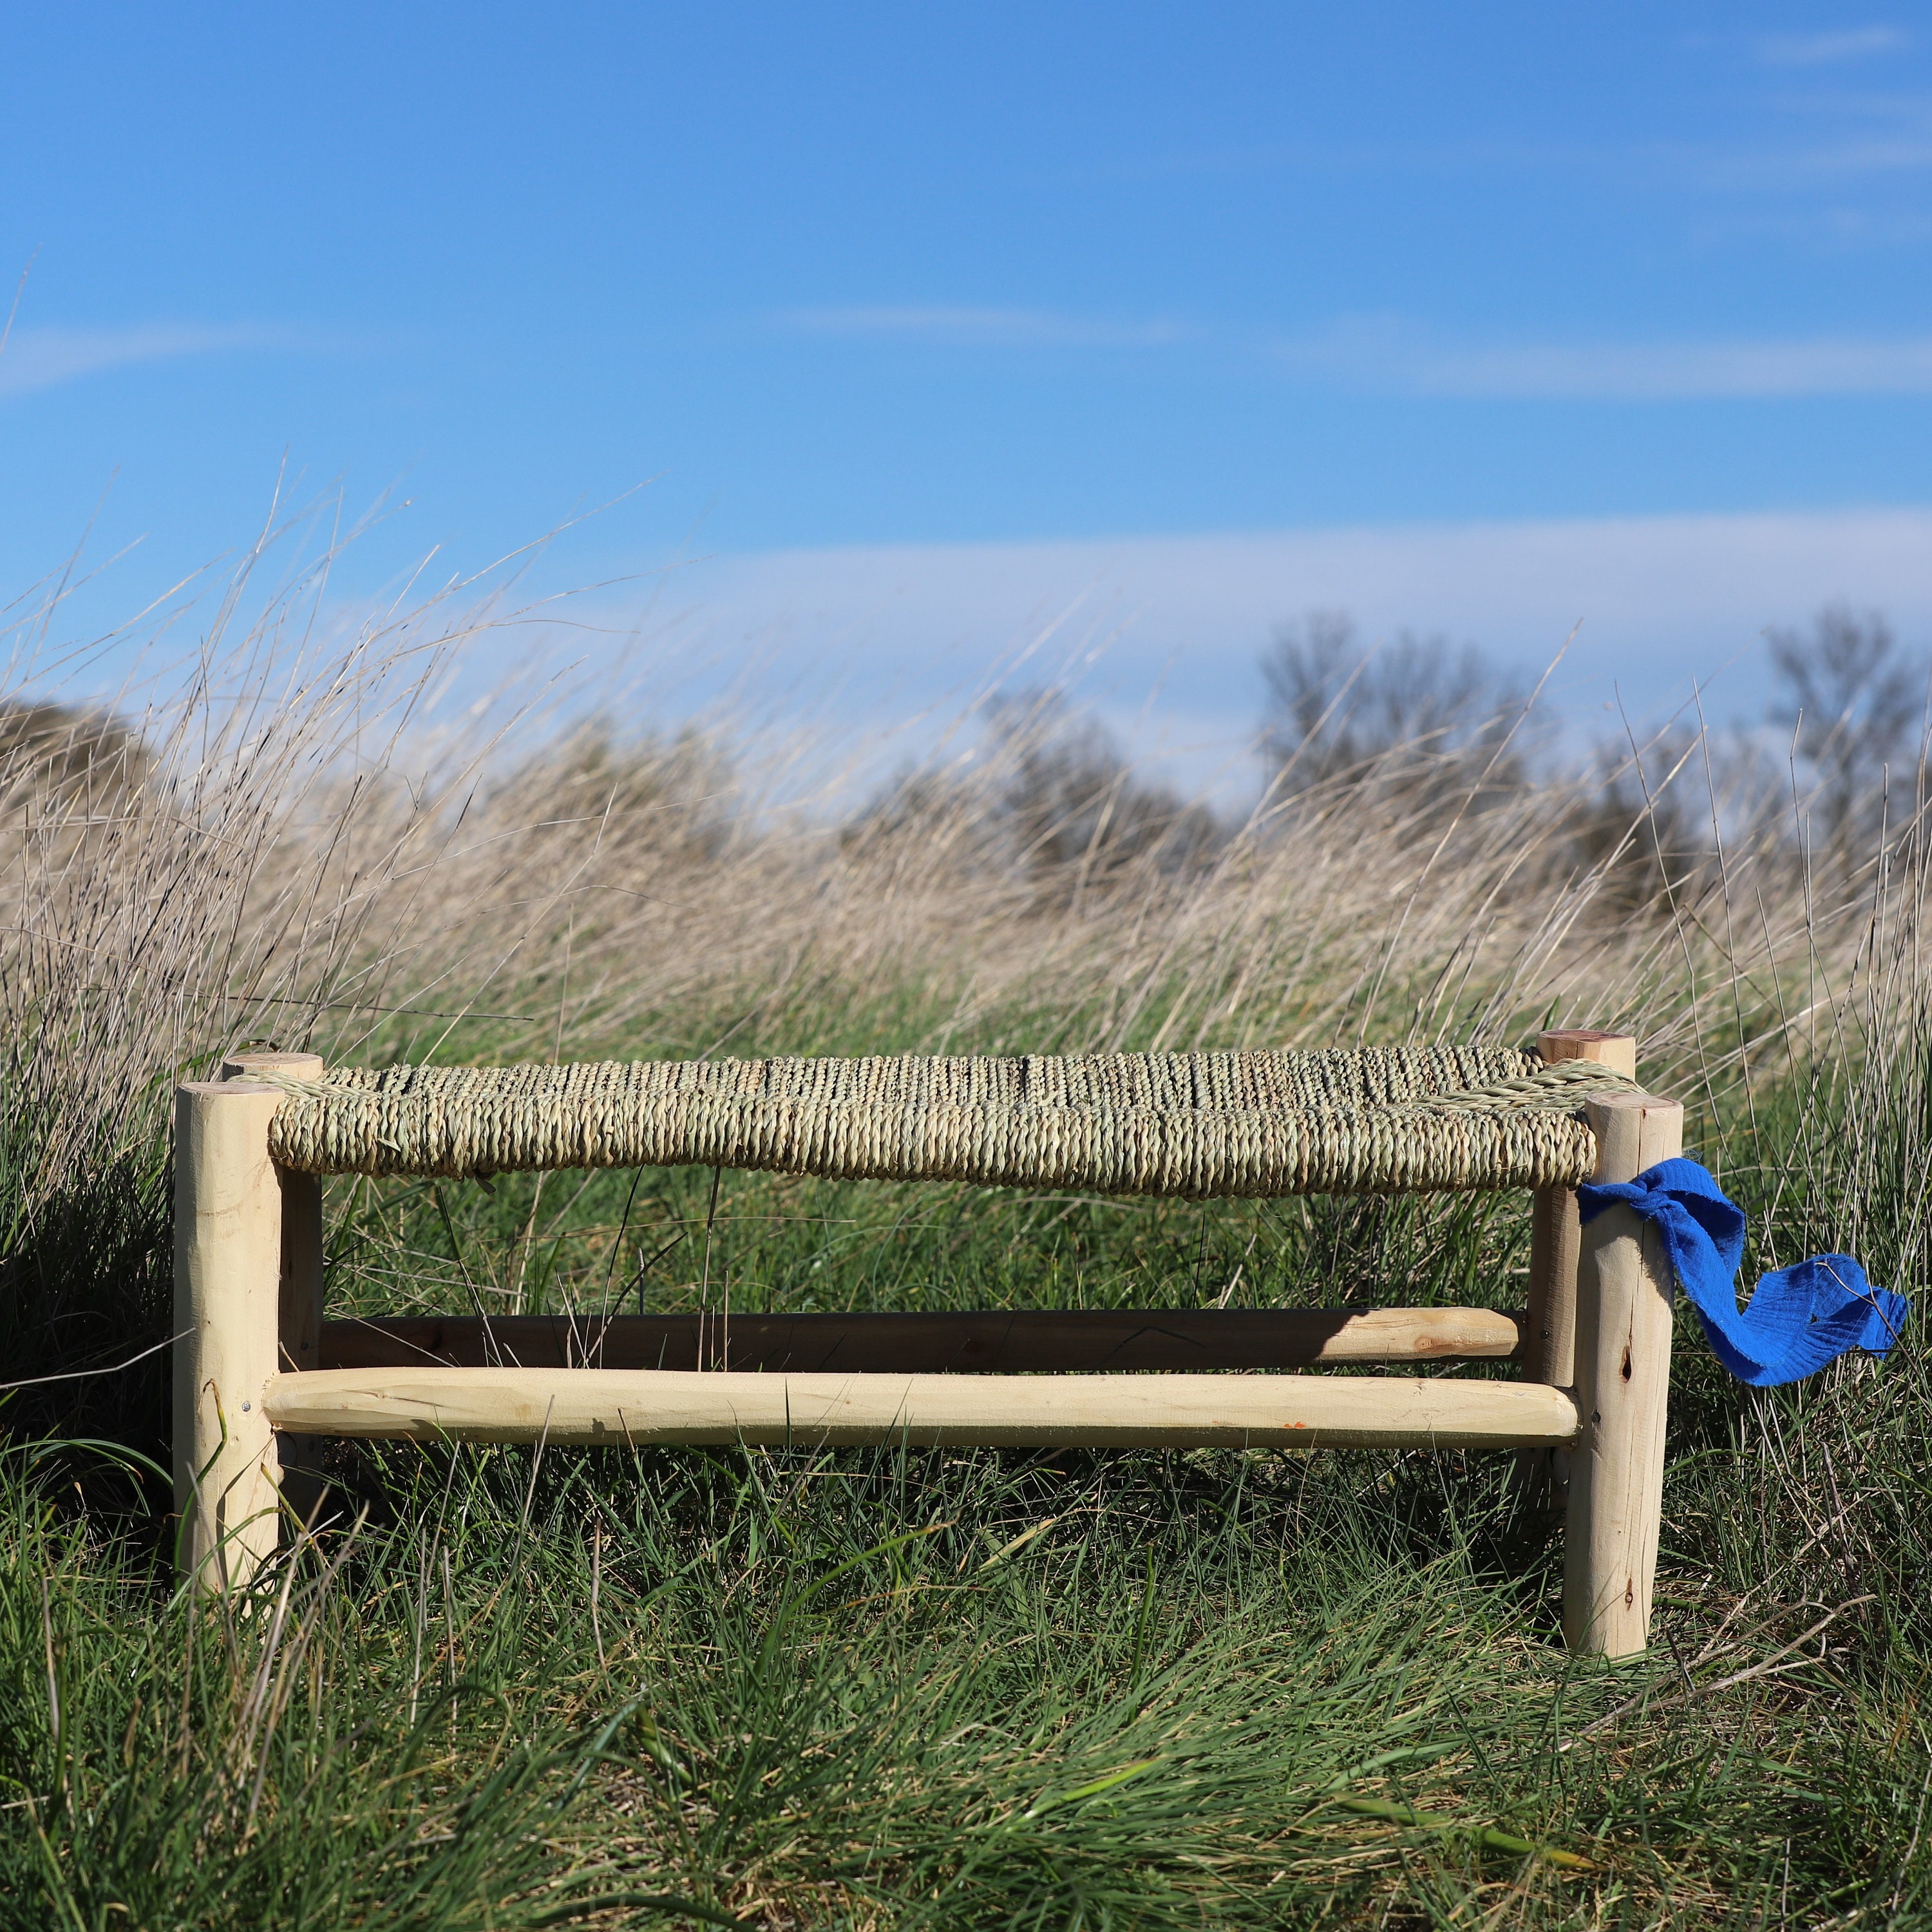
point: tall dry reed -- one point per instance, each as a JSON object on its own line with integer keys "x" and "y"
{"x": 294, "y": 847}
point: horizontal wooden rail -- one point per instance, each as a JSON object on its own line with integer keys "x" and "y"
{"x": 616, "y": 1407}
{"x": 985, "y": 1342}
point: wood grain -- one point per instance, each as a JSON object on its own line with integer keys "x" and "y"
{"x": 984, "y": 1342}
{"x": 616, "y": 1408}
{"x": 300, "y": 1308}
{"x": 298, "y": 1325}
{"x": 1549, "y": 1347}
{"x": 1550, "y": 1336}
{"x": 1623, "y": 1389}
{"x": 227, "y": 1273}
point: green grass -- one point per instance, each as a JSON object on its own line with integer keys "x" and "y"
{"x": 904, "y": 1688}
{"x": 899, "y": 1689}
{"x": 949, "y": 1690}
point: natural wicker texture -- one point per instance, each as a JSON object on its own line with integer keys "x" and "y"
{"x": 1379, "y": 1120}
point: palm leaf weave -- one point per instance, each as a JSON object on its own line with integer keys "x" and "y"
{"x": 1376, "y": 1121}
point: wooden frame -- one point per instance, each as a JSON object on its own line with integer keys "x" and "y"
{"x": 260, "y": 1376}
{"x": 978, "y": 1342}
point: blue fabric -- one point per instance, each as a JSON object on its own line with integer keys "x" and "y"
{"x": 1799, "y": 1318}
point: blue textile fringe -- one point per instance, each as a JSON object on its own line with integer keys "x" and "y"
{"x": 1799, "y": 1318}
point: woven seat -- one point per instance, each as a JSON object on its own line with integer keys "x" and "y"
{"x": 1377, "y": 1121}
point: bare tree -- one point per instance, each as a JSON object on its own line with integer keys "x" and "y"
{"x": 1419, "y": 714}
{"x": 1856, "y": 710}
{"x": 1052, "y": 800}
{"x": 1073, "y": 803}
{"x": 1639, "y": 825}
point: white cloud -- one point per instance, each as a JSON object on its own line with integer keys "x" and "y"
{"x": 1907, "y": 153}
{"x": 1384, "y": 353}
{"x": 1838, "y": 226}
{"x": 970, "y": 327}
{"x": 1162, "y": 634}
{"x": 1391, "y": 354}
{"x": 1828, "y": 49}
{"x": 35, "y": 358}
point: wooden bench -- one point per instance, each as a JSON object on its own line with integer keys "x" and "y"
{"x": 257, "y": 1365}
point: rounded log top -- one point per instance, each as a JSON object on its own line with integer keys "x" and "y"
{"x": 296, "y": 1066}
{"x": 1615, "y": 1051}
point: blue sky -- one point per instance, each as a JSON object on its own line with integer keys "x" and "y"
{"x": 886, "y": 299}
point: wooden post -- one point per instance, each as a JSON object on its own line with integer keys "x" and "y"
{"x": 298, "y": 1323}
{"x": 1549, "y": 1332}
{"x": 228, "y": 1235}
{"x": 1549, "y": 1347}
{"x": 1623, "y": 1388}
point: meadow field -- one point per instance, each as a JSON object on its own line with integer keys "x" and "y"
{"x": 901, "y": 1688}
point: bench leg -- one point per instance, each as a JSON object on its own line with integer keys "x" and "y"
{"x": 228, "y": 1237}
{"x": 1623, "y": 1387}
{"x": 299, "y": 1320}
{"x": 1549, "y": 1337}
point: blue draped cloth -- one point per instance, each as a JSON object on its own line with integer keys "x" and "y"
{"x": 1798, "y": 1318}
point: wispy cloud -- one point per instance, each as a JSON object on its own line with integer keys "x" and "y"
{"x": 1863, "y": 154}
{"x": 36, "y": 359}
{"x": 1836, "y": 226}
{"x": 969, "y": 328}
{"x": 1660, "y": 599}
{"x": 1392, "y": 354}
{"x": 1388, "y": 354}
{"x": 1829, "y": 49}
{"x": 1874, "y": 137}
